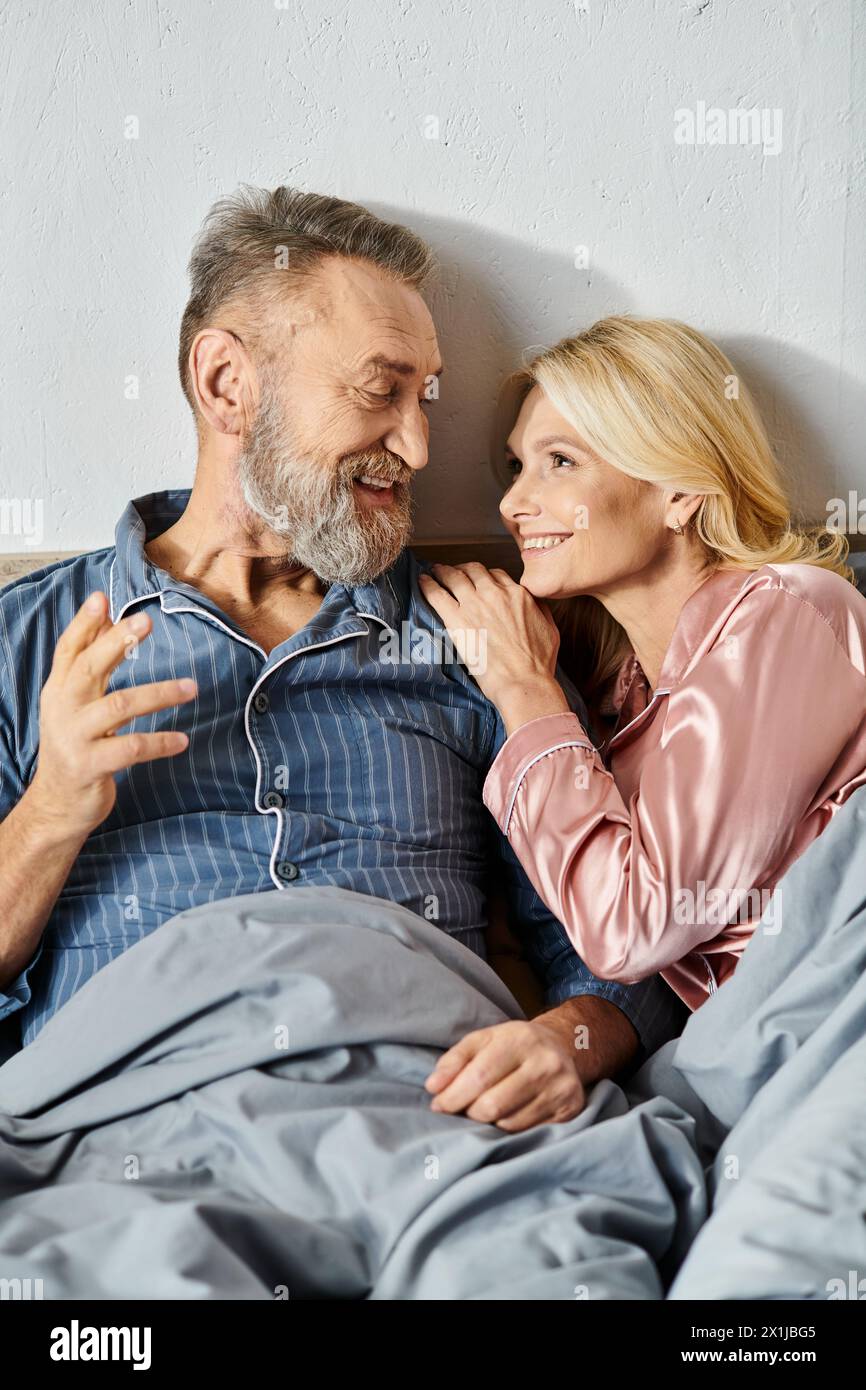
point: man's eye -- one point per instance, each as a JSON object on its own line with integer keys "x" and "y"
{"x": 389, "y": 397}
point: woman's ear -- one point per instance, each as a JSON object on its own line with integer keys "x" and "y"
{"x": 680, "y": 507}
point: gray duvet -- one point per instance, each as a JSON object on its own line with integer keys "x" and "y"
{"x": 234, "y": 1108}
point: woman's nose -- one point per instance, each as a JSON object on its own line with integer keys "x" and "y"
{"x": 517, "y": 503}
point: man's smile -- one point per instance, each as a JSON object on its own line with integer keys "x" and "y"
{"x": 376, "y": 492}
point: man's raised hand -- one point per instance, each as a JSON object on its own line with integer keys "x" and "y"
{"x": 79, "y": 748}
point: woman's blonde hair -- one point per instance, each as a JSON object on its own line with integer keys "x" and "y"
{"x": 659, "y": 401}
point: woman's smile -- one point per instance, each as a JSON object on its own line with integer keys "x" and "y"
{"x": 543, "y": 543}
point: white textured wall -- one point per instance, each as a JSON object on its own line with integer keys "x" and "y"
{"x": 556, "y": 129}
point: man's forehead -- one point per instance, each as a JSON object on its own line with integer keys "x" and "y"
{"x": 387, "y": 344}
{"x": 351, "y": 292}
{"x": 400, "y": 366}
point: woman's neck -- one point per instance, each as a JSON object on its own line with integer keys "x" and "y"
{"x": 648, "y": 607}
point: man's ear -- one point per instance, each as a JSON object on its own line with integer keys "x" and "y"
{"x": 223, "y": 380}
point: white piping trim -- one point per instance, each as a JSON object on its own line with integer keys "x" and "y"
{"x": 620, "y": 732}
{"x": 316, "y": 646}
{"x": 712, "y": 978}
{"x": 377, "y": 619}
{"x": 205, "y": 613}
{"x": 111, "y": 588}
{"x": 276, "y": 810}
{"x": 139, "y": 598}
{"x": 554, "y": 748}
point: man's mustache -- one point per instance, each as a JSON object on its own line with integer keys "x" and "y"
{"x": 375, "y": 463}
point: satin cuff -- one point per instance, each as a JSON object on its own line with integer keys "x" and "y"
{"x": 526, "y": 745}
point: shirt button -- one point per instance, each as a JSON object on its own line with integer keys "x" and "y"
{"x": 272, "y": 800}
{"x": 287, "y": 870}
{"x": 261, "y": 703}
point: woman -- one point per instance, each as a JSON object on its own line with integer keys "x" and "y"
{"x": 722, "y": 648}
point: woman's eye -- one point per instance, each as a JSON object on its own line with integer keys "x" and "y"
{"x": 512, "y": 465}
{"x": 570, "y": 463}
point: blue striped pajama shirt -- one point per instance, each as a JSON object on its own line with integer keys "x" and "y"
{"x": 350, "y": 755}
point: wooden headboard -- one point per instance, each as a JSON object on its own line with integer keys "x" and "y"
{"x": 493, "y": 551}
{"x": 496, "y": 552}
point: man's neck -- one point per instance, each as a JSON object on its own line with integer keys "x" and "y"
{"x": 221, "y": 549}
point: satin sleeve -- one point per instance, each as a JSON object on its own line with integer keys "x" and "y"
{"x": 749, "y": 738}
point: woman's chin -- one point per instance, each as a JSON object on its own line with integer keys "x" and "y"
{"x": 545, "y": 586}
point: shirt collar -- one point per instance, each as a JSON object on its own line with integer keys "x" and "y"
{"x": 695, "y": 626}
{"x": 134, "y": 577}
{"x": 697, "y": 622}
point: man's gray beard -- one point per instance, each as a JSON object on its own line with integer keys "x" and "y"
{"x": 313, "y": 504}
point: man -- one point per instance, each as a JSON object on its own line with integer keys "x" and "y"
{"x": 224, "y": 709}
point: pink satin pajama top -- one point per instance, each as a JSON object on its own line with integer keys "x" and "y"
{"x": 661, "y": 850}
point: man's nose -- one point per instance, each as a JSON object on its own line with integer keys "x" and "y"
{"x": 408, "y": 439}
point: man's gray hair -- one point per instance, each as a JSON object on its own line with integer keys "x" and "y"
{"x": 258, "y": 246}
